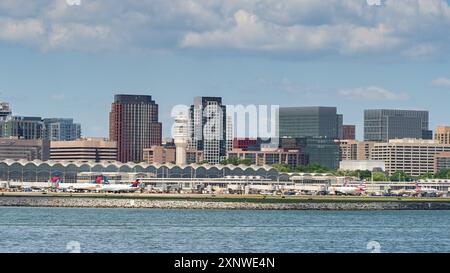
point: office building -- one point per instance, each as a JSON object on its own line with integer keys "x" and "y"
{"x": 349, "y": 132}
{"x": 59, "y": 129}
{"x": 87, "y": 149}
{"x": 161, "y": 155}
{"x": 208, "y": 128}
{"x": 355, "y": 150}
{"x": 299, "y": 122}
{"x": 134, "y": 126}
{"x": 246, "y": 144}
{"x": 442, "y": 162}
{"x": 383, "y": 125}
{"x": 26, "y": 149}
{"x": 270, "y": 157}
{"x": 442, "y": 134}
{"x": 22, "y": 127}
{"x": 413, "y": 156}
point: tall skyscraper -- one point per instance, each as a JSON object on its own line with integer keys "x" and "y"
{"x": 298, "y": 122}
{"x": 58, "y": 129}
{"x": 134, "y": 126}
{"x": 383, "y": 124}
{"x": 208, "y": 128}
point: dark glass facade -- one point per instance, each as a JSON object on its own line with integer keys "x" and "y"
{"x": 298, "y": 122}
{"x": 383, "y": 125}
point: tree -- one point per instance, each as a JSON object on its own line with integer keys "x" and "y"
{"x": 443, "y": 174}
{"x": 379, "y": 176}
{"x": 399, "y": 176}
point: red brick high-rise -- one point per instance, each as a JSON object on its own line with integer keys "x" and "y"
{"x": 134, "y": 125}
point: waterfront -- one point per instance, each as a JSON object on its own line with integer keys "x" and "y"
{"x": 167, "y": 231}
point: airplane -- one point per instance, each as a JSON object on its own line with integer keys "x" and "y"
{"x": 118, "y": 188}
{"x": 348, "y": 190}
{"x": 74, "y": 187}
{"x": 425, "y": 191}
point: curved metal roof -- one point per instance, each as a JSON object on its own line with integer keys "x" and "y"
{"x": 130, "y": 165}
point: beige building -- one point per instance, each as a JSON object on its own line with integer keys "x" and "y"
{"x": 28, "y": 149}
{"x": 413, "y": 156}
{"x": 355, "y": 150}
{"x": 87, "y": 149}
{"x": 159, "y": 155}
{"x": 442, "y": 134}
{"x": 165, "y": 155}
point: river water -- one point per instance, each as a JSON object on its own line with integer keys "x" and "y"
{"x": 167, "y": 231}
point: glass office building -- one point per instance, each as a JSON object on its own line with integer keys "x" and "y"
{"x": 298, "y": 122}
{"x": 383, "y": 125}
{"x": 58, "y": 129}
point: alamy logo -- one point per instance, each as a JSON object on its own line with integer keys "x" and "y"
{"x": 73, "y": 2}
{"x": 73, "y": 247}
{"x": 374, "y": 2}
{"x": 374, "y": 247}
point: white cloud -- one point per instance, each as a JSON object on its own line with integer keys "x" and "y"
{"x": 372, "y": 93}
{"x": 441, "y": 82}
{"x": 412, "y": 29}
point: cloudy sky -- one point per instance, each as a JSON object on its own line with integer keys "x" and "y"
{"x": 61, "y": 59}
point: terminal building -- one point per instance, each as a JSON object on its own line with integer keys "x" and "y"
{"x": 43, "y": 171}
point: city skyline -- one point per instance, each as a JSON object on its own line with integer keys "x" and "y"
{"x": 63, "y": 61}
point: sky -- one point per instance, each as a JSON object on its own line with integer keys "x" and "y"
{"x": 67, "y": 58}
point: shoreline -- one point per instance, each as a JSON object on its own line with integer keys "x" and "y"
{"x": 219, "y": 203}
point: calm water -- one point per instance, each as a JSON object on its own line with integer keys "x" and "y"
{"x": 139, "y": 230}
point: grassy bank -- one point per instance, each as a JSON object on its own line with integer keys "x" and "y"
{"x": 234, "y": 198}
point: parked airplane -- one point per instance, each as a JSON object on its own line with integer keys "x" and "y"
{"x": 348, "y": 190}
{"x": 426, "y": 191}
{"x": 118, "y": 188}
{"x": 93, "y": 186}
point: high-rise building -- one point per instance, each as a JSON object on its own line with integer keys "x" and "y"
{"x": 22, "y": 127}
{"x": 298, "y": 122}
{"x": 442, "y": 134}
{"x": 208, "y": 128}
{"x": 349, "y": 132}
{"x": 5, "y": 110}
{"x": 134, "y": 126}
{"x": 27, "y": 149}
{"x": 87, "y": 149}
{"x": 59, "y": 129}
{"x": 413, "y": 156}
{"x": 383, "y": 125}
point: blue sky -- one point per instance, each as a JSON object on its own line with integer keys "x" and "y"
{"x": 58, "y": 60}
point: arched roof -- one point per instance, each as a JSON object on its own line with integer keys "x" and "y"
{"x": 131, "y": 165}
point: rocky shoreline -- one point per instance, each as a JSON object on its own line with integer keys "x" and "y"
{"x": 77, "y": 202}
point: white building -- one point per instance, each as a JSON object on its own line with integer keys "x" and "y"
{"x": 362, "y": 165}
